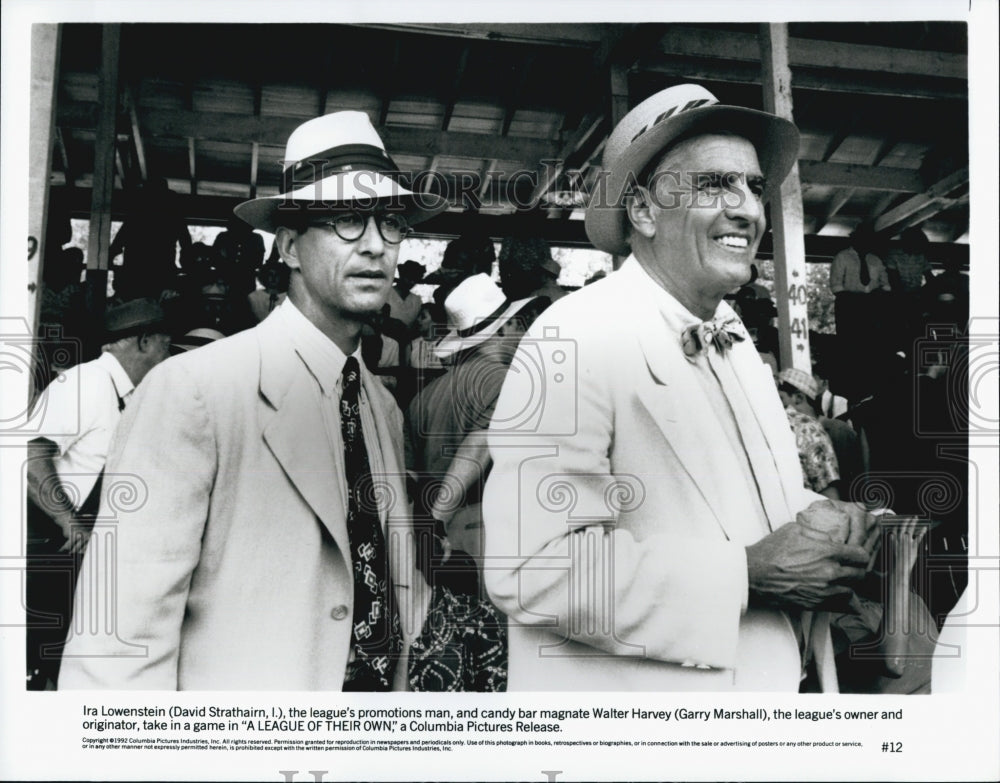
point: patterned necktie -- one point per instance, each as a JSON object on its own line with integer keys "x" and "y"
{"x": 376, "y": 639}
{"x": 720, "y": 332}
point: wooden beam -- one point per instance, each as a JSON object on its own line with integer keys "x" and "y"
{"x": 274, "y": 132}
{"x": 843, "y": 196}
{"x": 45, "y": 48}
{"x": 456, "y": 85}
{"x": 786, "y": 211}
{"x": 839, "y": 137}
{"x": 881, "y": 205}
{"x": 513, "y": 97}
{"x": 935, "y": 199}
{"x": 99, "y": 239}
{"x": 485, "y": 179}
{"x": 120, "y": 168}
{"x": 619, "y": 93}
{"x": 191, "y": 167}
{"x": 840, "y": 198}
{"x": 429, "y": 182}
{"x": 387, "y": 84}
{"x": 851, "y": 175}
{"x": 575, "y": 36}
{"x": 258, "y": 98}
{"x": 254, "y": 163}
{"x": 873, "y": 83}
{"x": 137, "y": 144}
{"x": 549, "y": 170}
{"x": 808, "y": 52}
{"x": 884, "y": 148}
{"x": 63, "y": 153}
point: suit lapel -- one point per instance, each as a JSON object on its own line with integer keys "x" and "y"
{"x": 295, "y": 433}
{"x": 675, "y": 400}
{"x": 672, "y": 395}
{"x": 763, "y": 397}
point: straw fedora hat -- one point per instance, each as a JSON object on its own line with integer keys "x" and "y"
{"x": 646, "y": 131}
{"x": 333, "y": 160}
{"x": 476, "y": 310}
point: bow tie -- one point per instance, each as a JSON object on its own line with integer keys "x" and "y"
{"x": 720, "y": 332}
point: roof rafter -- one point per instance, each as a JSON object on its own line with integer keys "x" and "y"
{"x": 946, "y": 192}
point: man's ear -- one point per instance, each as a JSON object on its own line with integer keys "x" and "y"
{"x": 639, "y": 209}
{"x": 144, "y": 341}
{"x": 285, "y": 238}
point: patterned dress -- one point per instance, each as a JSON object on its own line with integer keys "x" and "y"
{"x": 816, "y": 454}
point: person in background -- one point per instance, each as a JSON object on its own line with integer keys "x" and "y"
{"x": 646, "y": 523}
{"x": 527, "y": 269}
{"x": 470, "y": 254}
{"x": 240, "y": 250}
{"x": 800, "y": 395}
{"x": 79, "y": 412}
{"x": 430, "y": 329}
{"x": 858, "y": 282}
{"x": 149, "y": 239}
{"x": 464, "y": 645}
{"x": 270, "y": 554}
{"x": 403, "y": 303}
{"x": 908, "y": 268}
{"x": 273, "y": 276}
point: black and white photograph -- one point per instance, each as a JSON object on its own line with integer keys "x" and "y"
{"x": 409, "y": 392}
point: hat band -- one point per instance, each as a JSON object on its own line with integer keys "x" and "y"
{"x": 347, "y": 157}
{"x": 673, "y": 110}
{"x": 478, "y": 327}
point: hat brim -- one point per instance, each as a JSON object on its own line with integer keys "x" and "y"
{"x": 453, "y": 342}
{"x": 445, "y": 276}
{"x": 776, "y": 140}
{"x": 269, "y": 212}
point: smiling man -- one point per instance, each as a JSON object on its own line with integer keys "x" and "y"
{"x": 646, "y": 524}
{"x": 266, "y": 547}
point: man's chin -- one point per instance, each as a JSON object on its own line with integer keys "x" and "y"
{"x": 366, "y": 312}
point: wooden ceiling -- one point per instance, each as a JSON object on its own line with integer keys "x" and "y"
{"x": 513, "y": 117}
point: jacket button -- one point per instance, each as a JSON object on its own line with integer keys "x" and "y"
{"x": 338, "y": 612}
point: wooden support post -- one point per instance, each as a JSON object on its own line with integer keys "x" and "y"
{"x": 619, "y": 108}
{"x": 100, "y": 204}
{"x": 45, "y": 39}
{"x": 786, "y": 211}
{"x": 44, "y": 72}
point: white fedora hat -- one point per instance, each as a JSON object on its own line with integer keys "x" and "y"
{"x": 333, "y": 160}
{"x": 476, "y": 309}
{"x": 661, "y": 119}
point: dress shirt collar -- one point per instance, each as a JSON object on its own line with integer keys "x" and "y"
{"x": 321, "y": 356}
{"x": 123, "y": 384}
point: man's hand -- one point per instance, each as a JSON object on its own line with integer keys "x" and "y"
{"x": 77, "y": 535}
{"x": 842, "y": 522}
{"x": 796, "y": 567}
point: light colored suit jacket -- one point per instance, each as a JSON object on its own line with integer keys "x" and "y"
{"x": 611, "y": 511}
{"x": 231, "y": 562}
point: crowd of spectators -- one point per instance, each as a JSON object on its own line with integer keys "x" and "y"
{"x": 880, "y": 402}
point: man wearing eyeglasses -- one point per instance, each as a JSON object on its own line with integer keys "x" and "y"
{"x": 267, "y": 547}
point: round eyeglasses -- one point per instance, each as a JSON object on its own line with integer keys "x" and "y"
{"x": 350, "y": 226}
